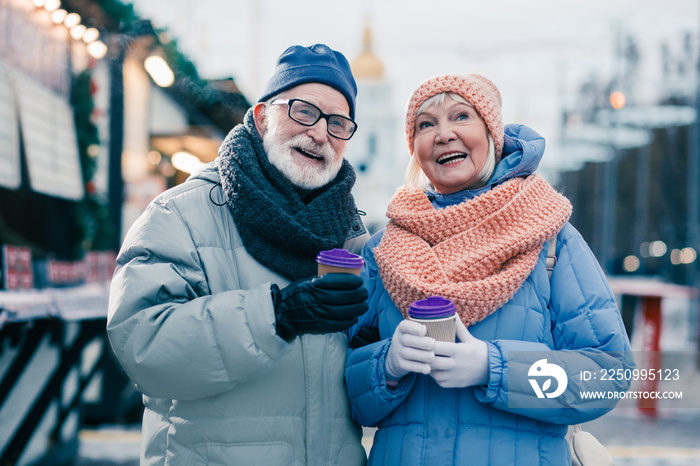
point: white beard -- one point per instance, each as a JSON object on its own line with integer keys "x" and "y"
{"x": 303, "y": 175}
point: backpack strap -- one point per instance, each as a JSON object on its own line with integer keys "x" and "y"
{"x": 551, "y": 260}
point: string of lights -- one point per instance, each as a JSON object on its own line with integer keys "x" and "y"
{"x": 73, "y": 22}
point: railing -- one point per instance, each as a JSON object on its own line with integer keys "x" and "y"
{"x": 52, "y": 345}
{"x": 644, "y": 296}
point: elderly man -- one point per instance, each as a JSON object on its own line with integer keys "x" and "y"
{"x": 215, "y": 311}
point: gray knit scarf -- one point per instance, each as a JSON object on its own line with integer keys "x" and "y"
{"x": 278, "y": 228}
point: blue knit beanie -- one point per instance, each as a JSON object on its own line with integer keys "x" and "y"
{"x": 316, "y": 64}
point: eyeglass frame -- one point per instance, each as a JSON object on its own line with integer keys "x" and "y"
{"x": 323, "y": 115}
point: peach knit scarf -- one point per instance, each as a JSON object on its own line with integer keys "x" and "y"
{"x": 476, "y": 253}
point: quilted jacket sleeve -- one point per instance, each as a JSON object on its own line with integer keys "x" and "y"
{"x": 174, "y": 339}
{"x": 370, "y": 398}
{"x": 588, "y": 335}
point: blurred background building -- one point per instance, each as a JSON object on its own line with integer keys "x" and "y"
{"x": 375, "y": 151}
{"x": 99, "y": 113}
{"x": 631, "y": 165}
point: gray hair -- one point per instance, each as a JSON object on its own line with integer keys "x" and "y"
{"x": 415, "y": 177}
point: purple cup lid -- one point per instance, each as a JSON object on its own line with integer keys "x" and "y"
{"x": 434, "y": 307}
{"x": 340, "y": 258}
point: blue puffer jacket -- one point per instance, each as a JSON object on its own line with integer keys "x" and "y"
{"x": 571, "y": 320}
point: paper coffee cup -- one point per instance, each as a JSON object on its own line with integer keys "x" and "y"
{"x": 437, "y": 314}
{"x": 339, "y": 261}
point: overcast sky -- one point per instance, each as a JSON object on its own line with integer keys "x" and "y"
{"x": 536, "y": 51}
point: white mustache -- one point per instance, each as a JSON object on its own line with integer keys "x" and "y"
{"x": 306, "y": 143}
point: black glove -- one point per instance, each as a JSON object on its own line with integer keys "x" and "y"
{"x": 365, "y": 336}
{"x": 327, "y": 304}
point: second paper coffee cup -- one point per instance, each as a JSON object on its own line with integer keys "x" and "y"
{"x": 437, "y": 314}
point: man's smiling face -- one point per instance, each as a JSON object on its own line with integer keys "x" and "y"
{"x": 307, "y": 155}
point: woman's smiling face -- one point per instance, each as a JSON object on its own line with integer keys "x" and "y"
{"x": 450, "y": 143}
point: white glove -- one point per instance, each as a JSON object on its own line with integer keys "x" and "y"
{"x": 464, "y": 364}
{"x": 410, "y": 351}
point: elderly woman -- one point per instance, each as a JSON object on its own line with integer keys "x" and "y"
{"x": 472, "y": 224}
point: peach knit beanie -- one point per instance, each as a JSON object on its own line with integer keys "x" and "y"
{"x": 479, "y": 91}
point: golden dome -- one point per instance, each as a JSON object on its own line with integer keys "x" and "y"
{"x": 367, "y": 65}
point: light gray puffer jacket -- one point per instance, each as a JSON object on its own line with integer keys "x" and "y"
{"x": 192, "y": 322}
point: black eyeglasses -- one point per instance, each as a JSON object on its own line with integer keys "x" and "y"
{"x": 308, "y": 114}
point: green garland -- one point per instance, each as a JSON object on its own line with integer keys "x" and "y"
{"x": 90, "y": 213}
